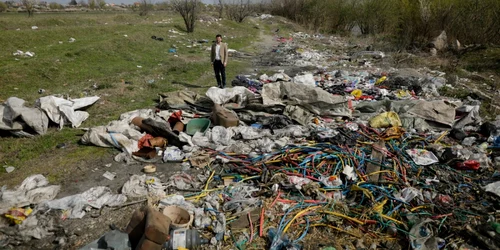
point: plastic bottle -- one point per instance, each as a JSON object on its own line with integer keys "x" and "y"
{"x": 184, "y": 238}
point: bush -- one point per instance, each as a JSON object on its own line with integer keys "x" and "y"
{"x": 3, "y": 7}
{"x": 55, "y": 6}
{"x": 410, "y": 22}
{"x": 238, "y": 10}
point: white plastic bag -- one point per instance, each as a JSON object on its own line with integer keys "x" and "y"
{"x": 173, "y": 153}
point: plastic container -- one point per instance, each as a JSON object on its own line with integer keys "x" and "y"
{"x": 179, "y": 216}
{"x": 184, "y": 239}
{"x": 149, "y": 169}
{"x": 197, "y": 125}
{"x": 224, "y": 117}
{"x": 178, "y": 127}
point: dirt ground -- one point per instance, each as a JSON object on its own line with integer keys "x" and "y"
{"x": 76, "y": 233}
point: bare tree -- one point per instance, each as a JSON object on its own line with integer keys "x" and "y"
{"x": 188, "y": 10}
{"x": 145, "y": 6}
{"x": 92, "y": 4}
{"x": 220, "y": 7}
{"x": 29, "y": 5}
{"x": 101, "y": 3}
{"x": 238, "y": 10}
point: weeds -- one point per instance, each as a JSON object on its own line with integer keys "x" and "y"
{"x": 108, "y": 47}
{"x": 410, "y": 22}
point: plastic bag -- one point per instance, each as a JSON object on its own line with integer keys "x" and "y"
{"x": 350, "y": 173}
{"x": 222, "y": 135}
{"x": 173, "y": 153}
{"x": 298, "y": 182}
{"x": 422, "y": 157}
{"x": 386, "y": 119}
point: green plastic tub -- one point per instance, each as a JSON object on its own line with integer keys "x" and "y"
{"x": 197, "y": 125}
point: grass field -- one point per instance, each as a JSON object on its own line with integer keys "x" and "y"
{"x": 109, "y": 49}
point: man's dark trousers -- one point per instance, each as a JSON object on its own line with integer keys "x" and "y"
{"x": 220, "y": 72}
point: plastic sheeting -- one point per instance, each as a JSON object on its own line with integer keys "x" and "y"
{"x": 95, "y": 197}
{"x": 279, "y": 77}
{"x": 181, "y": 100}
{"x": 142, "y": 185}
{"x": 221, "y": 135}
{"x": 117, "y": 134}
{"x": 61, "y": 111}
{"x": 33, "y": 190}
{"x": 493, "y": 188}
{"x": 315, "y": 100}
{"x": 307, "y": 79}
{"x": 422, "y": 236}
{"x": 15, "y": 113}
{"x": 435, "y": 113}
{"x": 239, "y": 95}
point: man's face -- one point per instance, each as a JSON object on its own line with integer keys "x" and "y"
{"x": 218, "y": 39}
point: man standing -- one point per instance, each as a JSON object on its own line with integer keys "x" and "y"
{"x": 218, "y": 57}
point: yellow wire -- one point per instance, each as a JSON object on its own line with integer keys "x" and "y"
{"x": 379, "y": 207}
{"x": 381, "y": 171}
{"x": 249, "y": 178}
{"x": 297, "y": 215}
{"x": 211, "y": 190}
{"x": 364, "y": 190}
{"x": 197, "y": 197}
{"x": 336, "y": 228}
{"x": 206, "y": 187}
{"x": 416, "y": 208}
{"x": 441, "y": 136}
{"x": 231, "y": 218}
{"x": 209, "y": 179}
{"x": 390, "y": 218}
{"x": 343, "y": 216}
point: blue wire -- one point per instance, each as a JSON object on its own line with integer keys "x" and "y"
{"x": 304, "y": 233}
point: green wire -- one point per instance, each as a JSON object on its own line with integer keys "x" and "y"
{"x": 442, "y": 221}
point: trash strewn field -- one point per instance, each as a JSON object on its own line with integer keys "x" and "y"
{"x": 322, "y": 151}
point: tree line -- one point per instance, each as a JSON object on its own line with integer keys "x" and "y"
{"x": 406, "y": 22}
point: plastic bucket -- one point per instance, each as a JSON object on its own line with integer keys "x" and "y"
{"x": 180, "y": 217}
{"x": 197, "y": 125}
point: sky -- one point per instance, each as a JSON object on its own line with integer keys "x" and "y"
{"x": 120, "y": 1}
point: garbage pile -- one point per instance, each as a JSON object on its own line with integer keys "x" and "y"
{"x": 279, "y": 166}
{"x": 285, "y": 164}
{"x": 361, "y": 159}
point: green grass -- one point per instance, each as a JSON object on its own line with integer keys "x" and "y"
{"x": 482, "y": 60}
{"x": 110, "y": 49}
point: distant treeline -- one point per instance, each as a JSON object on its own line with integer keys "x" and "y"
{"x": 408, "y": 22}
